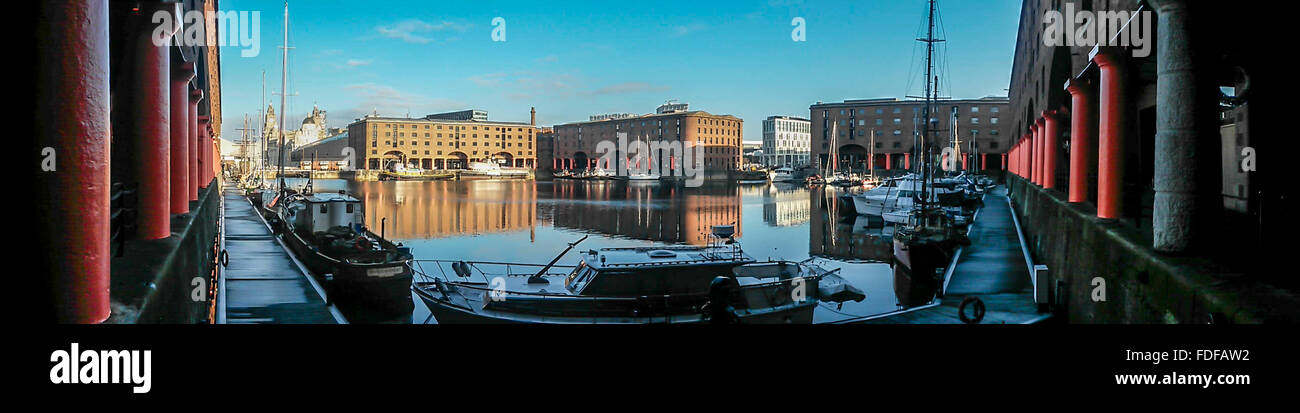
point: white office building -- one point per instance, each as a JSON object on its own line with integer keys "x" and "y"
{"x": 786, "y": 141}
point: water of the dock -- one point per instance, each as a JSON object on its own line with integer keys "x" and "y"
{"x": 262, "y": 283}
{"x": 992, "y": 268}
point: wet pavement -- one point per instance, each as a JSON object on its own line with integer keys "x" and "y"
{"x": 992, "y": 268}
{"x": 262, "y": 284}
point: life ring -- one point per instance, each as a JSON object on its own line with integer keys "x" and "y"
{"x": 978, "y": 308}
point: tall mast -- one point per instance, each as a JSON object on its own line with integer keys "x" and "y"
{"x": 284, "y": 82}
{"x": 930, "y": 95}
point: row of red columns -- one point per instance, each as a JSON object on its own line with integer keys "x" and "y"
{"x": 1034, "y": 157}
{"x": 173, "y": 157}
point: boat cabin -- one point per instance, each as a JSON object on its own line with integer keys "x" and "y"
{"x": 651, "y": 271}
{"x": 322, "y": 211}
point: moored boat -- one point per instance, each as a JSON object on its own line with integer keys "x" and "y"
{"x": 357, "y": 266}
{"x": 782, "y": 175}
{"x": 661, "y": 284}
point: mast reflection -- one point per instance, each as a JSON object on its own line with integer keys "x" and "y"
{"x": 835, "y": 231}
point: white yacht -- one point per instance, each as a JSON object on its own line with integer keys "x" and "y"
{"x": 783, "y": 175}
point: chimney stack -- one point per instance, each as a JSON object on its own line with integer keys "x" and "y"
{"x": 532, "y": 116}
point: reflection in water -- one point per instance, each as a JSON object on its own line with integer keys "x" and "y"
{"x": 837, "y": 232}
{"x": 528, "y": 221}
{"x": 437, "y": 209}
{"x": 784, "y": 204}
{"x": 652, "y": 212}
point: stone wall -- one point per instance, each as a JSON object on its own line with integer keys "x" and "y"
{"x": 1141, "y": 285}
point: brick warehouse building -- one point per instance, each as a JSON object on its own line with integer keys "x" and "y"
{"x": 575, "y": 144}
{"x": 1134, "y": 155}
{"x": 442, "y": 141}
{"x": 895, "y": 123}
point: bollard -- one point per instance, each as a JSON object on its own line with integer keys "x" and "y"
{"x": 1041, "y": 292}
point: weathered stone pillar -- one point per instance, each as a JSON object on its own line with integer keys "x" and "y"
{"x": 1178, "y": 108}
{"x": 1113, "y": 131}
{"x": 72, "y": 130}
{"x": 1083, "y": 135}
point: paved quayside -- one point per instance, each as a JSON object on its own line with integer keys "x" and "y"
{"x": 262, "y": 283}
{"x": 992, "y": 268}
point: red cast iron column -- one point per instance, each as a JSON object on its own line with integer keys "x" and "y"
{"x": 72, "y": 118}
{"x": 205, "y": 153}
{"x": 1112, "y": 132}
{"x": 1083, "y": 130}
{"x": 180, "y": 142}
{"x": 1041, "y": 151}
{"x": 1051, "y": 133}
{"x": 195, "y": 96}
{"x": 1035, "y": 146}
{"x": 149, "y": 124}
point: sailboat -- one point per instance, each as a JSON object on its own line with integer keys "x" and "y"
{"x": 639, "y": 174}
{"x": 923, "y": 244}
{"x": 327, "y": 232}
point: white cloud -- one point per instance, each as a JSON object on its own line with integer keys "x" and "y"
{"x": 629, "y": 87}
{"x": 390, "y": 101}
{"x": 686, "y": 29}
{"x": 418, "y": 31}
{"x": 533, "y": 84}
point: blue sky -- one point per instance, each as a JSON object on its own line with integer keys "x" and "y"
{"x": 572, "y": 59}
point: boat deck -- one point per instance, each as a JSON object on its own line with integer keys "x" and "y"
{"x": 992, "y": 268}
{"x": 262, "y": 282}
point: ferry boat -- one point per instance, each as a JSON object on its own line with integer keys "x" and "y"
{"x": 643, "y": 176}
{"x": 751, "y": 177}
{"x": 492, "y": 170}
{"x": 398, "y": 172}
{"x": 599, "y": 174}
{"x": 326, "y": 232}
{"x": 642, "y": 285}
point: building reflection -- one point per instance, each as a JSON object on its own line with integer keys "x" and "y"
{"x": 653, "y": 212}
{"x": 837, "y": 233}
{"x": 784, "y": 205}
{"x": 423, "y": 210}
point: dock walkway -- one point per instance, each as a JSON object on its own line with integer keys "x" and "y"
{"x": 262, "y": 282}
{"x": 992, "y": 268}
